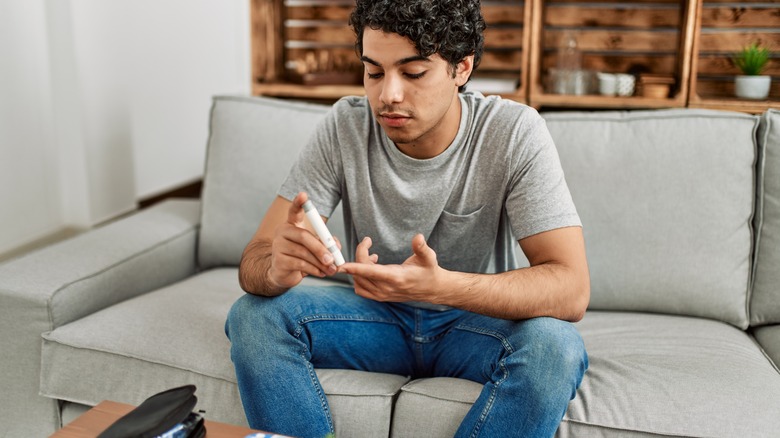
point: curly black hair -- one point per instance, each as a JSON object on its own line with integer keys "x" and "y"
{"x": 451, "y": 28}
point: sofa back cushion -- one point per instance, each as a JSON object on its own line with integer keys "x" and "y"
{"x": 666, "y": 201}
{"x": 252, "y": 144}
{"x": 765, "y": 301}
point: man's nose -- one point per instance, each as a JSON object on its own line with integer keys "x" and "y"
{"x": 392, "y": 90}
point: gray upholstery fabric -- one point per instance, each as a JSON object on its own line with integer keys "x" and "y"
{"x": 666, "y": 201}
{"x": 176, "y": 336}
{"x": 769, "y": 339}
{"x": 248, "y": 158}
{"x": 672, "y": 376}
{"x": 765, "y": 302}
{"x": 65, "y": 281}
{"x": 433, "y": 407}
{"x": 72, "y": 411}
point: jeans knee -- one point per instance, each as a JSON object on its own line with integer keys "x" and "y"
{"x": 239, "y": 318}
{"x": 556, "y": 346}
{"x": 563, "y": 344}
{"x": 264, "y": 316}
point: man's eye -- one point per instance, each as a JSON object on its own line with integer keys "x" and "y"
{"x": 374, "y": 75}
{"x": 415, "y": 75}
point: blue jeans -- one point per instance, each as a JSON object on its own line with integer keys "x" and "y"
{"x": 530, "y": 369}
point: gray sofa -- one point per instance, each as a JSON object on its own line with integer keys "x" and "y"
{"x": 681, "y": 210}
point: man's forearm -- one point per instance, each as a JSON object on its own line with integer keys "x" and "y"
{"x": 254, "y": 267}
{"x": 550, "y": 289}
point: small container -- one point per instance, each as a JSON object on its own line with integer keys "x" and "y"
{"x": 625, "y": 84}
{"x": 654, "y": 86}
{"x": 607, "y": 84}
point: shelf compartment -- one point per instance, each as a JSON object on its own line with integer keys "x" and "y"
{"x": 640, "y": 37}
{"x": 722, "y": 29}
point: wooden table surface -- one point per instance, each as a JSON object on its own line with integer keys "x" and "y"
{"x": 97, "y": 419}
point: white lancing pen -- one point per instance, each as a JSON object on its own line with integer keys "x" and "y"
{"x": 322, "y": 232}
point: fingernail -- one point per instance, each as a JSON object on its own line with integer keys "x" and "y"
{"x": 328, "y": 259}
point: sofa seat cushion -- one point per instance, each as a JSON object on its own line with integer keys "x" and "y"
{"x": 175, "y": 336}
{"x": 675, "y": 376}
{"x": 649, "y": 375}
{"x": 768, "y": 337}
{"x": 436, "y": 406}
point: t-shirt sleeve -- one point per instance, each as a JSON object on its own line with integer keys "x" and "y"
{"x": 538, "y": 198}
{"x": 318, "y": 169}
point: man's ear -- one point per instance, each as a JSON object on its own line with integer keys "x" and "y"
{"x": 463, "y": 70}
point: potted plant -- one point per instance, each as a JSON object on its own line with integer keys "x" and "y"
{"x": 751, "y": 61}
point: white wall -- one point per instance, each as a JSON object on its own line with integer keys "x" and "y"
{"x": 29, "y": 199}
{"x": 116, "y": 96}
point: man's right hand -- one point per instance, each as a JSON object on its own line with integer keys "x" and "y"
{"x": 283, "y": 251}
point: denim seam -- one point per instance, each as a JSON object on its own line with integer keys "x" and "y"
{"x": 336, "y": 317}
{"x": 316, "y": 384}
{"x": 491, "y": 400}
{"x": 501, "y": 364}
{"x": 498, "y": 335}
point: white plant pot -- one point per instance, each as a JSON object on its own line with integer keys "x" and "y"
{"x": 752, "y": 87}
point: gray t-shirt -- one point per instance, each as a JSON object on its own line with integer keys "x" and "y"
{"x": 499, "y": 181}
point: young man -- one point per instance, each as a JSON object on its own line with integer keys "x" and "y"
{"x": 436, "y": 187}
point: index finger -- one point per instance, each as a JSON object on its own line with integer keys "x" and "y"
{"x": 374, "y": 272}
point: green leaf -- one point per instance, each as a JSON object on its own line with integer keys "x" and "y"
{"x": 752, "y": 59}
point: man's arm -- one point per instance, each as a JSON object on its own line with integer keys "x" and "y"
{"x": 282, "y": 251}
{"x": 557, "y": 284}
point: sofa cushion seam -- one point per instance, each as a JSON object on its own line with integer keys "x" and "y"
{"x": 624, "y": 428}
{"x": 415, "y": 392}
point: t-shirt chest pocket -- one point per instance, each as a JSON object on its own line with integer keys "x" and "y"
{"x": 464, "y": 242}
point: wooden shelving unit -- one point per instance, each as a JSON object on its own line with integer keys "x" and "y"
{"x": 687, "y": 41}
{"x": 722, "y": 29}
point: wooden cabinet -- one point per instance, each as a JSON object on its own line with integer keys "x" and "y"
{"x": 305, "y": 49}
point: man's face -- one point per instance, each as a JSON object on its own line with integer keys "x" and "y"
{"x": 414, "y": 98}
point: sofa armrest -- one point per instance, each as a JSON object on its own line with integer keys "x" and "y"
{"x": 74, "y": 278}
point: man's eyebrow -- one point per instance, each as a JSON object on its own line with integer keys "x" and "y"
{"x": 402, "y": 61}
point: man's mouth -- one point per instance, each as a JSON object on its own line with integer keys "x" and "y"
{"x": 394, "y": 120}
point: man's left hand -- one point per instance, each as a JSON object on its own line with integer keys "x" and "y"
{"x": 410, "y": 281}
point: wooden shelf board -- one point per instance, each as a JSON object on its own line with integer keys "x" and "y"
{"x": 605, "y": 102}
{"x": 282, "y": 89}
{"x": 727, "y": 104}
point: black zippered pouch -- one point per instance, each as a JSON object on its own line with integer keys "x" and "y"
{"x": 156, "y": 415}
